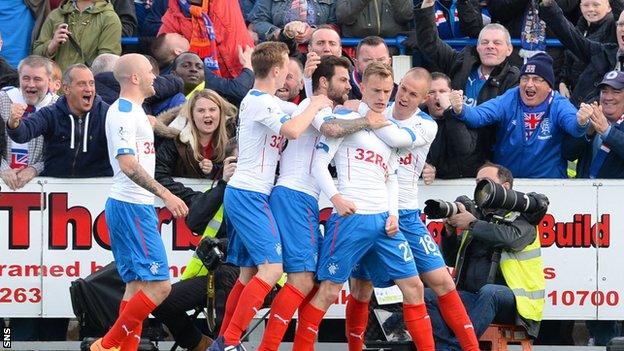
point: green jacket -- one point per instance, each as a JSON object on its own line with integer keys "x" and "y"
{"x": 97, "y": 30}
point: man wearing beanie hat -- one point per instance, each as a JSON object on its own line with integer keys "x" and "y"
{"x": 532, "y": 120}
{"x": 600, "y": 152}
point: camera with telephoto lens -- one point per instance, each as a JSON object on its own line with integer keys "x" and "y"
{"x": 491, "y": 195}
{"x": 209, "y": 253}
{"x": 436, "y": 209}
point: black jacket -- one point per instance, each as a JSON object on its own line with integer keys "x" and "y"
{"x": 166, "y": 86}
{"x": 582, "y": 149}
{"x": 598, "y": 58}
{"x": 458, "y": 65}
{"x": 8, "y": 75}
{"x": 127, "y": 15}
{"x": 602, "y": 31}
{"x": 455, "y": 151}
{"x": 175, "y": 159}
{"x": 233, "y": 90}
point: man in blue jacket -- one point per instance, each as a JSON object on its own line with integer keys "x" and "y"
{"x": 600, "y": 152}
{"x": 532, "y": 120}
{"x": 72, "y": 129}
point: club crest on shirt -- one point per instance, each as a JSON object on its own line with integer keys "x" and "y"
{"x": 545, "y": 129}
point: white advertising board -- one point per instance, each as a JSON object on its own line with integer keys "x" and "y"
{"x": 53, "y": 231}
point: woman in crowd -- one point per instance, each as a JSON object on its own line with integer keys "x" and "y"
{"x": 199, "y": 150}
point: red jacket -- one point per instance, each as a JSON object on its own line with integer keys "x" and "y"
{"x": 229, "y": 27}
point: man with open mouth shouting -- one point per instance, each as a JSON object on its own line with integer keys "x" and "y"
{"x": 72, "y": 129}
{"x": 532, "y": 120}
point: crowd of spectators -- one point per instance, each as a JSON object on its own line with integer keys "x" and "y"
{"x": 534, "y": 109}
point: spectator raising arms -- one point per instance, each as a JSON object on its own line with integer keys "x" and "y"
{"x": 199, "y": 150}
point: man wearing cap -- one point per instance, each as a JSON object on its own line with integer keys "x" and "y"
{"x": 532, "y": 120}
{"x": 600, "y": 152}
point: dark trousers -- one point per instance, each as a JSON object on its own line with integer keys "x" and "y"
{"x": 189, "y": 294}
{"x": 493, "y": 303}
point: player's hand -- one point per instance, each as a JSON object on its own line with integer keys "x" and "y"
{"x": 229, "y": 167}
{"x": 462, "y": 219}
{"x": 17, "y": 112}
{"x": 175, "y": 205}
{"x": 427, "y": 3}
{"x": 61, "y": 35}
{"x": 312, "y": 61}
{"x": 428, "y": 174}
{"x": 583, "y": 114}
{"x": 320, "y": 102}
{"x": 376, "y": 120}
{"x": 9, "y": 177}
{"x": 392, "y": 225}
{"x": 456, "y": 97}
{"x": 598, "y": 119}
{"x": 343, "y": 206}
{"x": 206, "y": 166}
{"x": 25, "y": 175}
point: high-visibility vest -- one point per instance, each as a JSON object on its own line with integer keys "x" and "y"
{"x": 524, "y": 274}
{"x": 195, "y": 267}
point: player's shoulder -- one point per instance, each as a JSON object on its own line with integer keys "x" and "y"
{"x": 345, "y": 113}
{"x": 425, "y": 116}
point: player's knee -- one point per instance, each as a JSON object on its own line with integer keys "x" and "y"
{"x": 443, "y": 287}
{"x": 361, "y": 290}
{"x": 160, "y": 291}
{"x": 302, "y": 282}
{"x": 412, "y": 289}
{"x": 329, "y": 292}
{"x": 270, "y": 273}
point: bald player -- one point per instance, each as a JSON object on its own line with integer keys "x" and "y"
{"x": 130, "y": 216}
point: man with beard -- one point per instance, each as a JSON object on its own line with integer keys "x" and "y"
{"x": 532, "y": 121}
{"x": 23, "y": 161}
{"x": 294, "y": 200}
{"x": 130, "y": 216}
{"x": 72, "y": 129}
{"x": 291, "y": 91}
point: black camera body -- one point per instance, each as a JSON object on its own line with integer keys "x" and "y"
{"x": 209, "y": 253}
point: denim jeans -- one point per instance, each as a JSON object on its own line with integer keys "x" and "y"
{"x": 493, "y": 303}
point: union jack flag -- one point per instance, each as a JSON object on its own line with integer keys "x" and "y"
{"x": 19, "y": 158}
{"x": 531, "y": 122}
